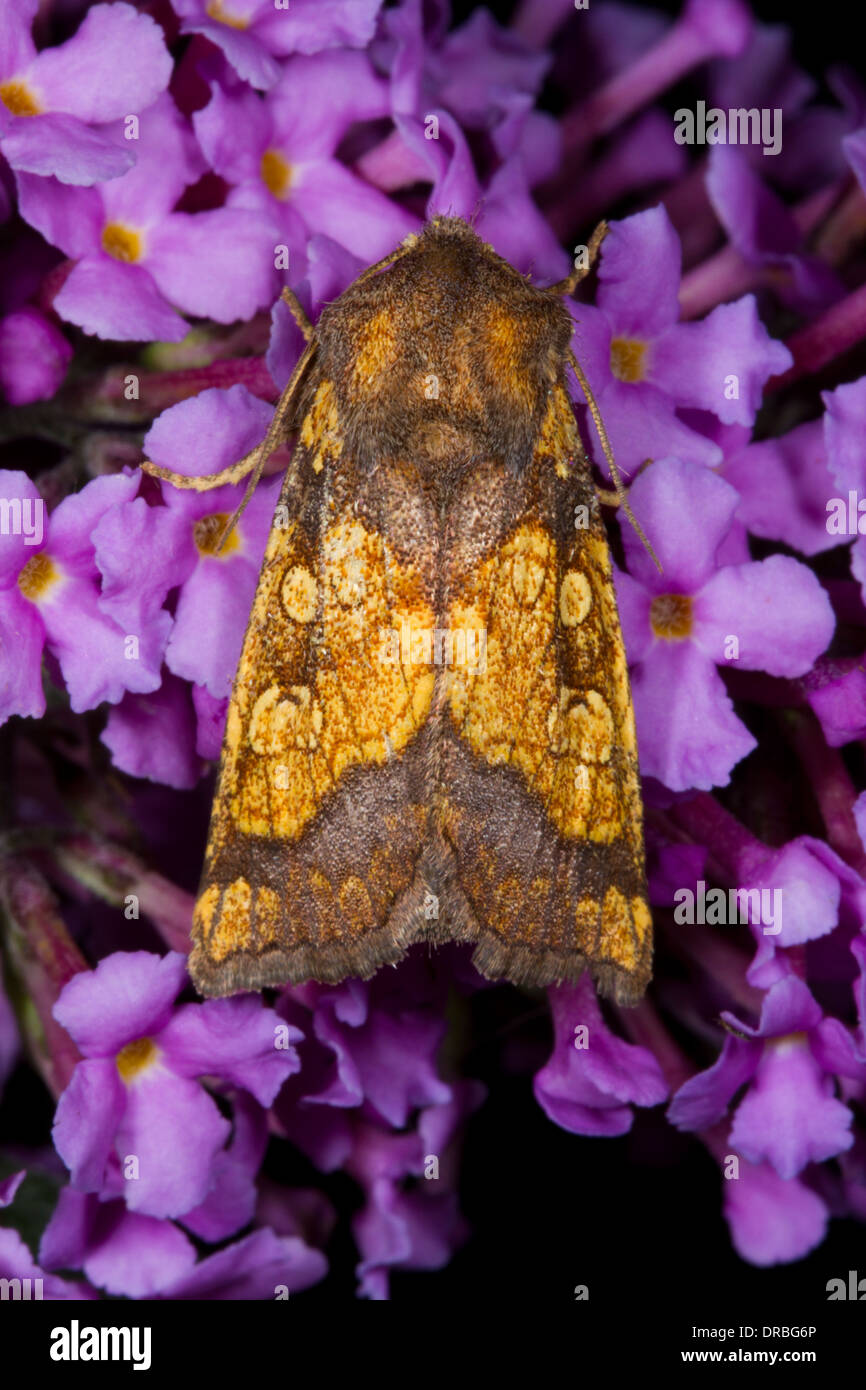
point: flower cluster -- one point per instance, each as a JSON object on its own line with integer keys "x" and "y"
{"x": 159, "y": 183}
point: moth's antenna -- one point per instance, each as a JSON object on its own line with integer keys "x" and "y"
{"x": 608, "y": 453}
{"x": 571, "y": 282}
{"x": 298, "y": 312}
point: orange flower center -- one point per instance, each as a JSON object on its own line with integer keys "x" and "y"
{"x": 276, "y": 173}
{"x": 671, "y": 616}
{"x": 17, "y": 97}
{"x": 627, "y": 359}
{"x": 788, "y": 1042}
{"x": 133, "y": 1059}
{"x": 216, "y": 11}
{"x": 123, "y": 243}
{"x": 37, "y": 576}
{"x": 207, "y": 532}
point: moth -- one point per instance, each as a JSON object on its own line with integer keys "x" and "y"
{"x": 430, "y": 735}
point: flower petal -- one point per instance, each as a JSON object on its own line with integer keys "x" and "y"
{"x": 639, "y": 275}
{"x": 772, "y": 1221}
{"x": 776, "y": 608}
{"x": 688, "y": 734}
{"x": 789, "y": 1116}
{"x": 687, "y": 554}
{"x": 704, "y": 1098}
{"x": 174, "y": 1129}
{"x": 112, "y": 300}
{"x": 22, "y": 640}
{"x": 154, "y": 735}
{"x": 62, "y": 146}
{"x": 33, "y": 357}
{"x": 253, "y": 1268}
{"x": 117, "y": 63}
{"x": 720, "y": 364}
{"x": 86, "y": 1119}
{"x": 208, "y": 432}
{"x": 128, "y": 995}
{"x": 69, "y": 218}
{"x": 217, "y": 264}
{"x": 335, "y": 201}
{"x": 237, "y": 1039}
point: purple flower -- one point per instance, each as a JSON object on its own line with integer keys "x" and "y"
{"x": 770, "y": 615}
{"x": 9, "y": 1186}
{"x": 811, "y": 151}
{"x": 384, "y": 1055}
{"x": 368, "y": 1100}
{"x": 808, "y": 877}
{"x": 593, "y": 1077}
{"x": 137, "y": 261}
{"x": 284, "y": 167}
{"x": 154, "y": 736}
{"x": 176, "y": 545}
{"x": 642, "y": 364}
{"x": 784, "y": 484}
{"x": 254, "y": 33}
{"x": 131, "y": 1255}
{"x": 844, "y": 424}
{"x": 789, "y": 1115}
{"x": 56, "y": 106}
{"x": 134, "y": 1121}
{"x": 16, "y": 1262}
{"x": 772, "y": 1220}
{"x": 836, "y": 693}
{"x": 400, "y": 1227}
{"x": 764, "y": 232}
{"x": 33, "y": 357}
{"x": 49, "y": 596}
{"x": 481, "y": 71}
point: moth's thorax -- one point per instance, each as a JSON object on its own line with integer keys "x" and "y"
{"x": 447, "y": 352}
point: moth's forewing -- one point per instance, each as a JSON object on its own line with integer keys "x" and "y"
{"x": 544, "y": 813}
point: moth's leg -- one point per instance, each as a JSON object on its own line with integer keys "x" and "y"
{"x": 608, "y": 498}
{"x": 277, "y": 429}
{"x": 569, "y": 285}
{"x": 608, "y": 453}
{"x": 206, "y": 481}
{"x": 298, "y": 312}
{"x": 252, "y": 463}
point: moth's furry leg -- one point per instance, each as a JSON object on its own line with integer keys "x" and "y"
{"x": 252, "y": 464}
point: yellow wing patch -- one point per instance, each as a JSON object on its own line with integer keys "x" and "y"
{"x": 310, "y": 705}
{"x": 518, "y": 711}
{"x": 320, "y": 432}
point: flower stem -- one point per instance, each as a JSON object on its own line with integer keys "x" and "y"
{"x": 706, "y": 29}
{"x": 42, "y": 958}
{"x": 839, "y": 328}
{"x": 117, "y": 876}
{"x": 831, "y": 785}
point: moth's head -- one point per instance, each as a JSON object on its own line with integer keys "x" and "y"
{"x": 448, "y": 348}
